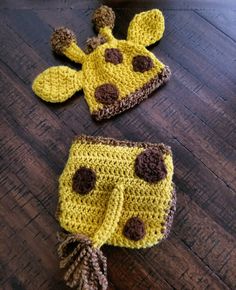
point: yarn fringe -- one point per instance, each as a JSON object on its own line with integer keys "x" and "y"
{"x": 85, "y": 266}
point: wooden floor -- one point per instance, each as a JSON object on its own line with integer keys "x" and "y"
{"x": 194, "y": 113}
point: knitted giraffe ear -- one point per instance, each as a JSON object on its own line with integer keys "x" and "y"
{"x": 57, "y": 84}
{"x": 147, "y": 27}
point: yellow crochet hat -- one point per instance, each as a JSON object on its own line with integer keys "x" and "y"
{"x": 112, "y": 192}
{"x": 116, "y": 74}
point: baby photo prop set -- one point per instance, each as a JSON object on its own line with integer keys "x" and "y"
{"x": 111, "y": 192}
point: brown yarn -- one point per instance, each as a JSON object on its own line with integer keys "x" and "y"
{"x": 93, "y": 42}
{"x": 142, "y": 63}
{"x": 83, "y": 180}
{"x": 61, "y": 39}
{"x": 113, "y": 55}
{"x": 85, "y": 266}
{"x": 164, "y": 149}
{"x": 106, "y": 94}
{"x": 170, "y": 216}
{"x": 134, "y": 229}
{"x": 103, "y": 16}
{"x": 150, "y": 166}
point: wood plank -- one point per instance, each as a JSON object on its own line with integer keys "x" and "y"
{"x": 131, "y": 273}
{"x": 26, "y": 214}
{"x": 223, "y": 20}
{"x": 206, "y": 60}
{"x": 172, "y": 257}
{"x": 206, "y": 239}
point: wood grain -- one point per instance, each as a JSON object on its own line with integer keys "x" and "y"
{"x": 194, "y": 113}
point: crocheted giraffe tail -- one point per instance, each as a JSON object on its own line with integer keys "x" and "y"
{"x": 86, "y": 266}
{"x": 81, "y": 257}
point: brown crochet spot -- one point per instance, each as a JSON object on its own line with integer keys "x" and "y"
{"x": 150, "y": 166}
{"x": 61, "y": 39}
{"x": 106, "y": 94}
{"x": 134, "y": 229}
{"x": 103, "y": 16}
{"x": 113, "y": 55}
{"x": 142, "y": 63}
{"x": 83, "y": 180}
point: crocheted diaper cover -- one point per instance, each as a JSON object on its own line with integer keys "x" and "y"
{"x": 116, "y": 74}
{"x": 111, "y": 192}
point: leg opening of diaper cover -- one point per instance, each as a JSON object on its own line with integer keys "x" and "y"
{"x": 85, "y": 266}
{"x": 133, "y": 99}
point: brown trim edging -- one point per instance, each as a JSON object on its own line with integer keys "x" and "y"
{"x": 113, "y": 142}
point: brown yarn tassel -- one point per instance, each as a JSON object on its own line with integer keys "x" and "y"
{"x": 86, "y": 266}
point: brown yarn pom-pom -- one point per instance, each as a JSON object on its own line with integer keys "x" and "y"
{"x": 103, "y": 16}
{"x": 61, "y": 39}
{"x": 93, "y": 42}
{"x": 85, "y": 266}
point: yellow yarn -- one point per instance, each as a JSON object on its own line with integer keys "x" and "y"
{"x": 118, "y": 195}
{"x": 75, "y": 53}
{"x": 111, "y": 218}
{"x": 57, "y": 84}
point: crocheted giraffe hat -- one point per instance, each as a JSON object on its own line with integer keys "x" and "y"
{"x": 111, "y": 192}
{"x": 116, "y": 74}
